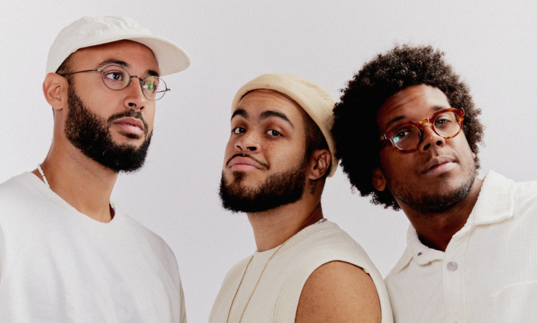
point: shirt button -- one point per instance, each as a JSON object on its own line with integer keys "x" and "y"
{"x": 420, "y": 253}
{"x": 452, "y": 266}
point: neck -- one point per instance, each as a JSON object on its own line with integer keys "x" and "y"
{"x": 274, "y": 227}
{"x": 80, "y": 181}
{"x": 436, "y": 230}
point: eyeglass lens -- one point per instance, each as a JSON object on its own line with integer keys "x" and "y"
{"x": 409, "y": 136}
{"x": 117, "y": 78}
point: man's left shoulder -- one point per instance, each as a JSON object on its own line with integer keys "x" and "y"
{"x": 519, "y": 189}
{"x": 523, "y": 194}
{"x": 525, "y": 189}
{"x": 501, "y": 193}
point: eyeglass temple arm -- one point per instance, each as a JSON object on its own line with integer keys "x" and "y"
{"x": 96, "y": 70}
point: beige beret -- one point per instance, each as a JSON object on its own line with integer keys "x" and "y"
{"x": 314, "y": 99}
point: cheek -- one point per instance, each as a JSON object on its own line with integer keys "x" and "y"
{"x": 384, "y": 158}
{"x": 462, "y": 147}
{"x": 468, "y": 156}
{"x": 285, "y": 154}
{"x": 271, "y": 151}
{"x": 94, "y": 101}
{"x": 106, "y": 106}
{"x": 394, "y": 163}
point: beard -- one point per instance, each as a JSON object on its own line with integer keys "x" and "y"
{"x": 278, "y": 189}
{"x": 91, "y": 135}
{"x": 433, "y": 203}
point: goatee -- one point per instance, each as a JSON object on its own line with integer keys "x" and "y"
{"x": 91, "y": 135}
{"x": 277, "y": 190}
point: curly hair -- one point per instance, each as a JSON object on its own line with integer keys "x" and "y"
{"x": 356, "y": 130}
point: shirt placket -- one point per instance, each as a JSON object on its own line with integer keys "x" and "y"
{"x": 453, "y": 267}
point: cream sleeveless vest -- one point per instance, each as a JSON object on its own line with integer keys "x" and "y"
{"x": 277, "y": 295}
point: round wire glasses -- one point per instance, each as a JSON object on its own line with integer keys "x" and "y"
{"x": 117, "y": 78}
{"x": 407, "y": 137}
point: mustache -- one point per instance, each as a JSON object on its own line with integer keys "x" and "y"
{"x": 248, "y": 156}
{"x": 129, "y": 113}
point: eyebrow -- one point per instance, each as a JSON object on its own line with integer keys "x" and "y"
{"x": 263, "y": 116}
{"x": 240, "y": 112}
{"x": 274, "y": 114}
{"x": 113, "y": 61}
{"x": 394, "y": 120}
{"x": 434, "y": 108}
{"x": 122, "y": 64}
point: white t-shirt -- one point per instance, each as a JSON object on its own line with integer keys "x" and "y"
{"x": 59, "y": 265}
{"x": 276, "y": 297}
{"x": 489, "y": 270}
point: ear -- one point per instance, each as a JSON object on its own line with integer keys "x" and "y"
{"x": 320, "y": 159}
{"x": 378, "y": 180}
{"x": 55, "y": 91}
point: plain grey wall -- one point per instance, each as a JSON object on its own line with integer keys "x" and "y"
{"x": 492, "y": 45}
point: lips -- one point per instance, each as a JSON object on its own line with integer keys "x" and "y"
{"x": 438, "y": 165}
{"x": 130, "y": 125}
{"x": 244, "y": 163}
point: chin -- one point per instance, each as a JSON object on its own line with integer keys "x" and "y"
{"x": 134, "y": 142}
{"x": 246, "y": 178}
{"x": 127, "y": 137}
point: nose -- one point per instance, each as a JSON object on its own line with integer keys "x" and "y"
{"x": 135, "y": 99}
{"x": 430, "y": 139}
{"x": 248, "y": 143}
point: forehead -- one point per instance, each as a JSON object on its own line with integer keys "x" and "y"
{"x": 259, "y": 101}
{"x": 413, "y": 103}
{"x": 124, "y": 50}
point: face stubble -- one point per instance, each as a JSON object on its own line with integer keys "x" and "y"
{"x": 91, "y": 135}
{"x": 433, "y": 203}
{"x": 278, "y": 189}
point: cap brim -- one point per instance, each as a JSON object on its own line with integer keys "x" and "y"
{"x": 170, "y": 57}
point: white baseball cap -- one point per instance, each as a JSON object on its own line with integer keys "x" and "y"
{"x": 92, "y": 31}
{"x": 312, "y": 97}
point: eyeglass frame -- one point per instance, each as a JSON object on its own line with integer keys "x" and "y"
{"x": 388, "y": 136}
{"x": 130, "y": 78}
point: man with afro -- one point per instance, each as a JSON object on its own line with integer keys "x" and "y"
{"x": 407, "y": 131}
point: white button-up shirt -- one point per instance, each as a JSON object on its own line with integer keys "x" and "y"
{"x": 488, "y": 272}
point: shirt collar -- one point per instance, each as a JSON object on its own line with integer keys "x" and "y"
{"x": 421, "y": 254}
{"x": 494, "y": 204}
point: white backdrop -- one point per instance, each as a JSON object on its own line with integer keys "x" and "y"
{"x": 492, "y": 45}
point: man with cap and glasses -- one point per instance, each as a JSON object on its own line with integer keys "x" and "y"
{"x": 67, "y": 253}
{"x": 407, "y": 131}
{"x": 305, "y": 268}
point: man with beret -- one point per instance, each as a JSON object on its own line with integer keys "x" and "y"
{"x": 67, "y": 253}
{"x": 407, "y": 133}
{"x": 305, "y": 268}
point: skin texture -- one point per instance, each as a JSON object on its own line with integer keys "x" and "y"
{"x": 83, "y": 183}
{"x": 410, "y": 176}
{"x": 337, "y": 292}
{"x": 279, "y": 145}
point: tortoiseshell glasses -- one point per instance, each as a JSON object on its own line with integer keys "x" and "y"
{"x": 407, "y": 137}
